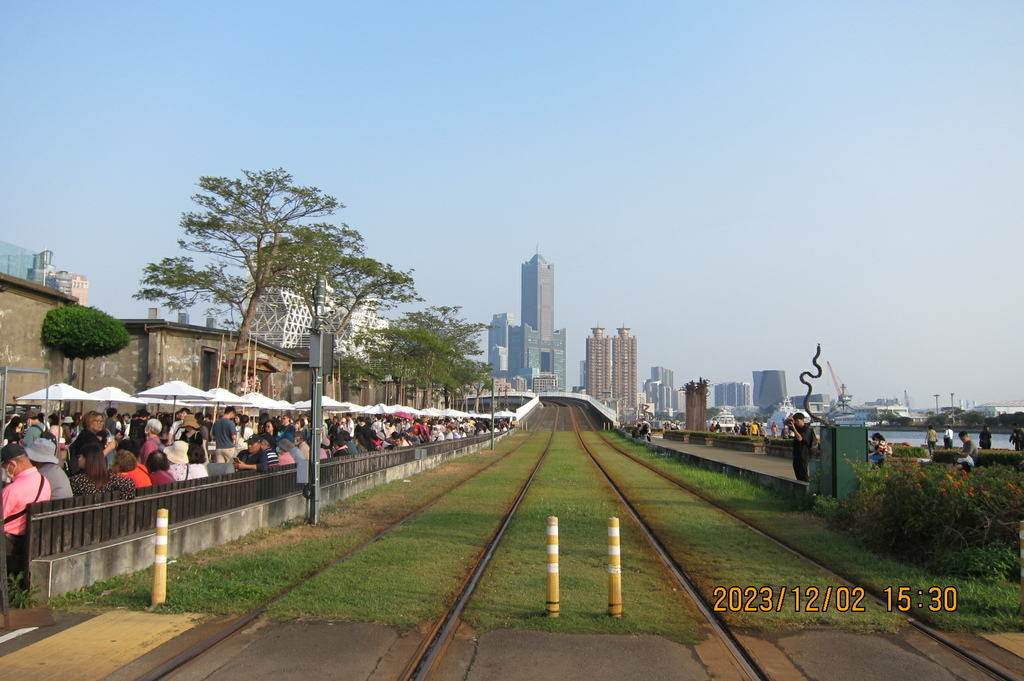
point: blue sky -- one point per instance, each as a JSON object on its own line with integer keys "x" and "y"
{"x": 734, "y": 181}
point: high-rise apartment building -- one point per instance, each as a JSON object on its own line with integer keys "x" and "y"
{"x": 624, "y": 368}
{"x": 599, "y": 365}
{"x": 535, "y": 347}
{"x": 735, "y": 394}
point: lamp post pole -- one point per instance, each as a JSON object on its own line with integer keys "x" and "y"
{"x": 952, "y": 409}
{"x": 936, "y": 404}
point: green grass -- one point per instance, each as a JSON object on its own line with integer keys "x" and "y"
{"x": 411, "y": 574}
{"x": 982, "y": 606}
{"x": 719, "y": 551}
{"x": 245, "y": 574}
{"x": 512, "y": 592}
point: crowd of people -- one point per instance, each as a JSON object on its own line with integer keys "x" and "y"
{"x": 57, "y": 458}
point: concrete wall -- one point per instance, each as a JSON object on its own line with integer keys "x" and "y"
{"x": 59, "y": 574}
{"x": 23, "y": 306}
{"x": 162, "y": 351}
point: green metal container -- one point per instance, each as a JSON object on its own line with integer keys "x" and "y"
{"x": 840, "y": 447}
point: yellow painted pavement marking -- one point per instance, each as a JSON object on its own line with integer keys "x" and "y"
{"x": 1012, "y": 642}
{"x": 95, "y": 648}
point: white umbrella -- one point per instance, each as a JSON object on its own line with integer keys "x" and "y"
{"x": 260, "y": 401}
{"x": 325, "y": 403}
{"x": 375, "y": 409}
{"x": 454, "y": 413}
{"x": 505, "y": 415}
{"x": 284, "y": 405}
{"x": 112, "y": 394}
{"x": 431, "y": 411}
{"x": 58, "y": 392}
{"x": 222, "y": 396}
{"x": 175, "y": 390}
{"x": 347, "y": 406}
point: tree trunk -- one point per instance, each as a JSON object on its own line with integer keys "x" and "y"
{"x": 242, "y": 345}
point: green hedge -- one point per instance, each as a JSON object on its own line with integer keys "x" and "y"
{"x": 729, "y": 437}
{"x": 905, "y": 452}
{"x": 986, "y": 457}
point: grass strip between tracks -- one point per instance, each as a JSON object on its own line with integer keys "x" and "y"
{"x": 244, "y": 574}
{"x": 982, "y": 606}
{"x": 719, "y": 551}
{"x": 512, "y": 591}
{"x": 409, "y": 576}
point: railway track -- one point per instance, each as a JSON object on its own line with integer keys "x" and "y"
{"x": 986, "y": 666}
{"x": 440, "y": 633}
{"x": 434, "y": 643}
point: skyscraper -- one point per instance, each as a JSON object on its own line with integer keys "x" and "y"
{"x": 538, "y": 296}
{"x": 599, "y": 365}
{"x": 497, "y": 342}
{"x": 535, "y": 347}
{"x": 624, "y": 366}
{"x": 769, "y": 387}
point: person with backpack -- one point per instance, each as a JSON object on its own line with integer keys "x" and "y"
{"x": 34, "y": 427}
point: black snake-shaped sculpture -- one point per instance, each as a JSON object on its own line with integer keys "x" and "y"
{"x": 810, "y": 389}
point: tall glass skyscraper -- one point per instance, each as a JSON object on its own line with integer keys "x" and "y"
{"x": 536, "y": 350}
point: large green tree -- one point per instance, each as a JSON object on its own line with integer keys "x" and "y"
{"x": 428, "y": 348}
{"x": 83, "y": 333}
{"x": 261, "y": 232}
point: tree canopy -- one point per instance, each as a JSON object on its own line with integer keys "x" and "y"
{"x": 261, "y": 232}
{"x": 83, "y": 332}
{"x": 429, "y": 348}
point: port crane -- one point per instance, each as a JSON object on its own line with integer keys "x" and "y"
{"x": 843, "y": 398}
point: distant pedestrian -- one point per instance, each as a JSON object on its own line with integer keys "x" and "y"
{"x": 1017, "y": 438}
{"x": 933, "y": 441}
{"x": 947, "y": 437}
{"x": 985, "y": 438}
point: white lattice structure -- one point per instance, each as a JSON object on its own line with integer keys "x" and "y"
{"x": 282, "y": 318}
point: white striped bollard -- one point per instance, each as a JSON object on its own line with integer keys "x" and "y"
{"x": 552, "y": 606}
{"x": 160, "y": 559}
{"x": 614, "y": 570}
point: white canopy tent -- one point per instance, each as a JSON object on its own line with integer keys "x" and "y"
{"x": 58, "y": 392}
{"x": 112, "y": 394}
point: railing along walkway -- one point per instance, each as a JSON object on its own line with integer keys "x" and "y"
{"x": 55, "y": 527}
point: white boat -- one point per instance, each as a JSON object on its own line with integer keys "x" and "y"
{"x": 725, "y": 419}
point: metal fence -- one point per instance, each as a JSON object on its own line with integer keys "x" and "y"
{"x": 55, "y": 527}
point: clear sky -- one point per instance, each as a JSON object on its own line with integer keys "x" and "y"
{"x": 734, "y": 181}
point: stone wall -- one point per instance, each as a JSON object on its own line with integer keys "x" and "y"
{"x": 23, "y": 306}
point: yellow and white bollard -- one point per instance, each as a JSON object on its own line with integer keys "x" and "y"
{"x": 614, "y": 570}
{"x": 552, "y": 595}
{"x": 160, "y": 559}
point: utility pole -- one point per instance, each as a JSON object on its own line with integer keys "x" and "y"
{"x": 952, "y": 409}
{"x": 321, "y": 356}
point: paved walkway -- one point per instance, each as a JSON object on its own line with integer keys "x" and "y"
{"x": 762, "y": 463}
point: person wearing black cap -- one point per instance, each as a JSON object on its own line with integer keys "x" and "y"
{"x": 27, "y": 486}
{"x": 803, "y": 440}
{"x": 258, "y": 455}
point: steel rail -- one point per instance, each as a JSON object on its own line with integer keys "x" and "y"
{"x": 739, "y": 652}
{"x": 435, "y": 643}
{"x": 990, "y": 667}
{"x": 197, "y": 649}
